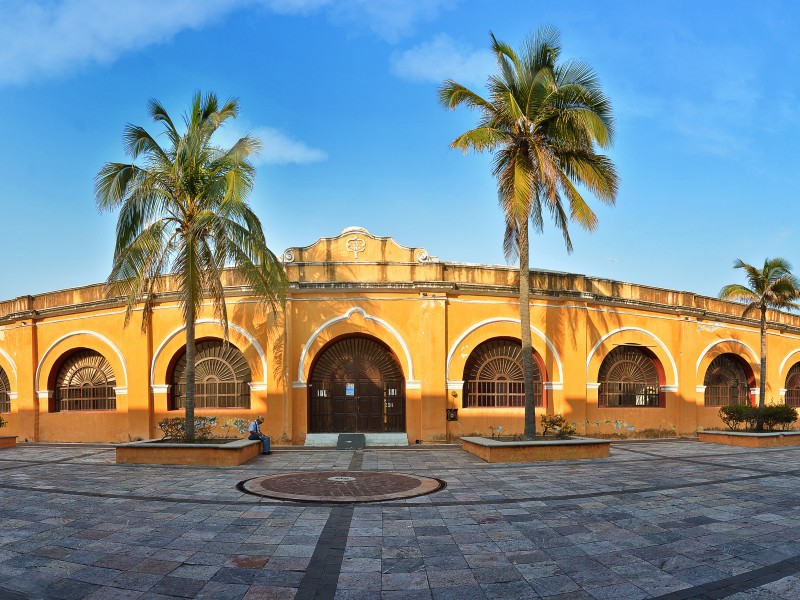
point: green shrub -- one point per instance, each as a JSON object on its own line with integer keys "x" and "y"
{"x": 779, "y": 416}
{"x": 174, "y": 428}
{"x": 3, "y": 422}
{"x": 734, "y": 416}
{"x": 558, "y": 425}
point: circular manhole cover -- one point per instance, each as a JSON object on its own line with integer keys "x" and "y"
{"x": 341, "y": 486}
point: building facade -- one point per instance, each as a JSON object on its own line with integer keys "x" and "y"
{"x": 377, "y": 337}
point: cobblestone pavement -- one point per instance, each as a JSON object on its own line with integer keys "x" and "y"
{"x": 665, "y": 519}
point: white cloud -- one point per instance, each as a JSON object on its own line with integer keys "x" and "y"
{"x": 44, "y": 39}
{"x": 442, "y": 58}
{"x": 390, "y": 19}
{"x": 51, "y": 38}
{"x": 280, "y": 149}
{"x": 277, "y": 148}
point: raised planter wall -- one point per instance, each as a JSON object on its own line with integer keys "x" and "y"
{"x": 495, "y": 451}
{"x": 770, "y": 439}
{"x": 153, "y": 452}
{"x": 8, "y": 441}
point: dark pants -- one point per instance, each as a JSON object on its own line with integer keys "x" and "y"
{"x": 264, "y": 440}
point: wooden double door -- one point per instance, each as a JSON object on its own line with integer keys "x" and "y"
{"x": 356, "y": 386}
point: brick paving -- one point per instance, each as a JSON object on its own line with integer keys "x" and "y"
{"x": 342, "y": 486}
{"x": 661, "y": 519}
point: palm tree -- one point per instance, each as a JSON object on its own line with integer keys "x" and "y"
{"x": 184, "y": 212}
{"x": 543, "y": 121}
{"x": 773, "y": 286}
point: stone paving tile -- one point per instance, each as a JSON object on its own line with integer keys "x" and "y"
{"x": 656, "y": 518}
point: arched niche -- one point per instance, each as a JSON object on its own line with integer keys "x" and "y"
{"x": 636, "y": 337}
{"x": 355, "y": 321}
{"x": 502, "y": 327}
{"x": 173, "y": 345}
{"x": 61, "y": 348}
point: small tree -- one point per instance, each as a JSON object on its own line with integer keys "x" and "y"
{"x": 772, "y": 286}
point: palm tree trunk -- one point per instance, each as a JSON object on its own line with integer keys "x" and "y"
{"x": 190, "y": 359}
{"x": 525, "y": 325}
{"x": 762, "y": 388}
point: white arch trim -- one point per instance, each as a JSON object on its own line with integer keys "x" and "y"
{"x": 10, "y": 360}
{"x": 480, "y": 324}
{"x": 718, "y": 342}
{"x": 100, "y": 337}
{"x": 346, "y": 316}
{"x": 785, "y": 360}
{"x": 240, "y": 330}
{"x": 661, "y": 344}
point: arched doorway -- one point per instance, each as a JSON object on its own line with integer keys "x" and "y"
{"x": 356, "y": 386}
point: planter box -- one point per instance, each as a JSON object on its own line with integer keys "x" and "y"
{"x": 8, "y": 441}
{"x": 768, "y": 439}
{"x": 530, "y": 451}
{"x": 154, "y": 452}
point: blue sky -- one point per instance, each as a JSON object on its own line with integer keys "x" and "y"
{"x": 343, "y": 95}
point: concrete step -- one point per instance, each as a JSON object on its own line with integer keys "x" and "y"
{"x": 373, "y": 440}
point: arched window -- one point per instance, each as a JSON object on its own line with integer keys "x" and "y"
{"x": 493, "y": 376}
{"x": 726, "y": 382}
{"x": 628, "y": 377}
{"x": 85, "y": 381}
{"x": 792, "y": 397}
{"x": 222, "y": 377}
{"x": 5, "y": 388}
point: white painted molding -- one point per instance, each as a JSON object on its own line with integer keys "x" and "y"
{"x": 701, "y": 389}
{"x": 486, "y": 322}
{"x": 13, "y": 395}
{"x": 10, "y": 360}
{"x": 102, "y": 338}
{"x": 658, "y": 341}
{"x": 258, "y": 387}
{"x": 755, "y": 391}
{"x": 782, "y": 392}
{"x": 44, "y": 394}
{"x": 553, "y": 385}
{"x": 345, "y": 317}
{"x": 413, "y": 385}
{"x": 238, "y": 329}
{"x": 712, "y": 344}
{"x": 785, "y": 360}
{"x": 669, "y": 388}
{"x": 592, "y": 385}
{"x": 455, "y": 385}
{"x": 299, "y": 385}
{"x": 123, "y": 389}
{"x": 160, "y": 389}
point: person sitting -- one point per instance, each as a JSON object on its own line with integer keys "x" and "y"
{"x": 255, "y": 434}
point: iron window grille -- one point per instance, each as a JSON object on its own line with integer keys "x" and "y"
{"x": 628, "y": 378}
{"x": 726, "y": 382}
{"x": 494, "y": 376}
{"x": 792, "y": 397}
{"x": 5, "y": 389}
{"x": 222, "y": 377}
{"x": 84, "y": 382}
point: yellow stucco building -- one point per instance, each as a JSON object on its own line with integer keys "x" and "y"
{"x": 385, "y": 339}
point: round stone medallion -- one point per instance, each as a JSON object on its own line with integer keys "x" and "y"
{"x": 341, "y": 486}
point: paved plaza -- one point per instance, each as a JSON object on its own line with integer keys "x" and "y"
{"x": 664, "y": 519}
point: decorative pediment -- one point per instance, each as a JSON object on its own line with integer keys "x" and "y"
{"x": 356, "y": 244}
